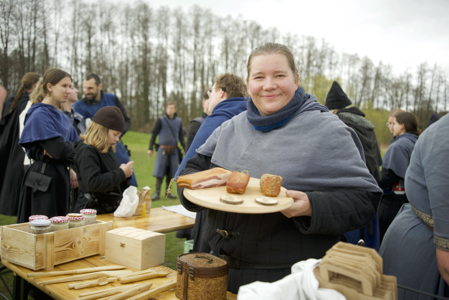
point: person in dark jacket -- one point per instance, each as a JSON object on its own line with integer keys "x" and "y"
{"x": 95, "y": 99}
{"x": 285, "y": 132}
{"x": 195, "y": 124}
{"x": 339, "y": 104}
{"x": 48, "y": 137}
{"x": 169, "y": 130}
{"x": 433, "y": 118}
{"x": 11, "y": 154}
{"x": 227, "y": 99}
{"x": 101, "y": 180}
{"x": 395, "y": 164}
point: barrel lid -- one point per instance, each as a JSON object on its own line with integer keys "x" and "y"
{"x": 203, "y": 260}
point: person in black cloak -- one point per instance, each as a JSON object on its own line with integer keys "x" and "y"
{"x": 101, "y": 180}
{"x": 433, "y": 118}
{"x": 395, "y": 164}
{"x": 11, "y": 154}
{"x": 339, "y": 104}
{"x": 48, "y": 138}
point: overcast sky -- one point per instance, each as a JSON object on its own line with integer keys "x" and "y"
{"x": 403, "y": 33}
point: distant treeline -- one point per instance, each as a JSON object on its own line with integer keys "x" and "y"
{"x": 149, "y": 56}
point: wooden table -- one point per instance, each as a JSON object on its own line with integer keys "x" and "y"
{"x": 158, "y": 220}
{"x": 62, "y": 292}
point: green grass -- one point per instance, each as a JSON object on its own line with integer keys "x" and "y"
{"x": 143, "y": 168}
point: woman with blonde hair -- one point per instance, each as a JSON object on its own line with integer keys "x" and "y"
{"x": 48, "y": 138}
{"x": 11, "y": 154}
{"x": 101, "y": 180}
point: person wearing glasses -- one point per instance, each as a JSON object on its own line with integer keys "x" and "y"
{"x": 285, "y": 132}
{"x": 226, "y": 100}
{"x": 395, "y": 163}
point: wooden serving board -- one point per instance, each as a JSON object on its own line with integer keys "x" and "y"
{"x": 210, "y": 198}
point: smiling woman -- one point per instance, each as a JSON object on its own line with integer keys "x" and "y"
{"x": 48, "y": 137}
{"x": 285, "y": 132}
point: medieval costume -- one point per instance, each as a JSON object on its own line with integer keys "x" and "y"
{"x": 193, "y": 128}
{"x": 396, "y": 161}
{"x": 46, "y": 128}
{"x": 168, "y": 158}
{"x": 314, "y": 152}
{"x": 87, "y": 108}
{"x": 409, "y": 247}
{"x": 11, "y": 155}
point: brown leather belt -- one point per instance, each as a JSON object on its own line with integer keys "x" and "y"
{"x": 167, "y": 149}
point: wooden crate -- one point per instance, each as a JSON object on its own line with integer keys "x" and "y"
{"x": 135, "y": 248}
{"x": 44, "y": 251}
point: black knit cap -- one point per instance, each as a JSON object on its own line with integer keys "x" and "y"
{"x": 336, "y": 98}
{"x": 110, "y": 117}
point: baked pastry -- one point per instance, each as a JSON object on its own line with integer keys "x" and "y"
{"x": 270, "y": 185}
{"x": 237, "y": 182}
{"x": 204, "y": 179}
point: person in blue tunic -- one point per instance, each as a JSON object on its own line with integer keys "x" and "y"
{"x": 395, "y": 163}
{"x": 48, "y": 138}
{"x": 95, "y": 99}
{"x": 169, "y": 129}
{"x": 226, "y": 100}
{"x": 415, "y": 248}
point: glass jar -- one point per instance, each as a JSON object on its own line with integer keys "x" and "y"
{"x": 59, "y": 223}
{"x": 40, "y": 226}
{"x": 75, "y": 220}
{"x": 36, "y": 217}
{"x": 90, "y": 216}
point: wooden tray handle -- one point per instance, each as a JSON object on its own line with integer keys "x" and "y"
{"x": 367, "y": 285}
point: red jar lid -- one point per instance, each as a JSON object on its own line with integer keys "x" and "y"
{"x": 75, "y": 217}
{"x": 60, "y": 219}
{"x": 88, "y": 211}
{"x": 37, "y": 217}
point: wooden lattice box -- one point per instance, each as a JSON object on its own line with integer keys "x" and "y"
{"x": 44, "y": 251}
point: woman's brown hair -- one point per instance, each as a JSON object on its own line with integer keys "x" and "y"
{"x": 28, "y": 80}
{"x": 409, "y": 120}
{"x": 272, "y": 48}
{"x": 97, "y": 136}
{"x": 52, "y": 76}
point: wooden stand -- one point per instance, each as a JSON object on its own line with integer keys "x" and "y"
{"x": 44, "y": 251}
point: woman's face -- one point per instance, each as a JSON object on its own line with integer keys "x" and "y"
{"x": 398, "y": 129}
{"x": 271, "y": 83}
{"x": 114, "y": 137}
{"x": 391, "y": 123}
{"x": 60, "y": 91}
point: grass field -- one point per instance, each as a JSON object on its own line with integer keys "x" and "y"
{"x": 143, "y": 168}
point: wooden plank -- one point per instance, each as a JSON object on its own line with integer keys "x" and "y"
{"x": 157, "y": 220}
{"x": 50, "y": 251}
{"x": 18, "y": 248}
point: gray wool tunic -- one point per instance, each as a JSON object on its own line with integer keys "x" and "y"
{"x": 314, "y": 152}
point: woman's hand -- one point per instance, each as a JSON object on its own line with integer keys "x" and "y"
{"x": 300, "y": 207}
{"x": 73, "y": 180}
{"x": 127, "y": 169}
{"x": 150, "y": 153}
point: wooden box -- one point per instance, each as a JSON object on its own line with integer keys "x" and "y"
{"x": 135, "y": 248}
{"x": 44, "y": 251}
{"x": 199, "y": 270}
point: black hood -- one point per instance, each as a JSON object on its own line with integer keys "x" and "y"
{"x": 337, "y": 98}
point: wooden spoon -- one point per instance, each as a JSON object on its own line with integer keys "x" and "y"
{"x": 100, "y": 281}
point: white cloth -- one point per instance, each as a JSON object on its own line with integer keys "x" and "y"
{"x": 22, "y": 115}
{"x": 179, "y": 209}
{"x": 300, "y": 285}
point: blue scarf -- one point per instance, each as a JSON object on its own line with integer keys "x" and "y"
{"x": 278, "y": 119}
{"x": 43, "y": 122}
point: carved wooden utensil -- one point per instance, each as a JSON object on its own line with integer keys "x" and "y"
{"x": 100, "y": 281}
{"x": 78, "y": 271}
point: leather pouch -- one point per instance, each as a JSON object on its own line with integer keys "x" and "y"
{"x": 37, "y": 180}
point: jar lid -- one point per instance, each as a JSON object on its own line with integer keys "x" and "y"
{"x": 40, "y": 223}
{"x": 75, "y": 217}
{"x": 88, "y": 211}
{"x": 37, "y": 217}
{"x": 60, "y": 219}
